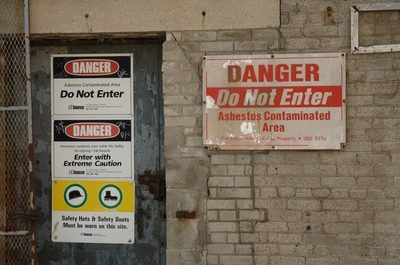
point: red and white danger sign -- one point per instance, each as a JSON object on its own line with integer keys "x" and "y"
{"x": 274, "y": 101}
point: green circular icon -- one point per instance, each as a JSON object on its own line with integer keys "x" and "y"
{"x": 75, "y": 195}
{"x": 110, "y": 196}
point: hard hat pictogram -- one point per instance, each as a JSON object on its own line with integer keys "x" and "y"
{"x": 75, "y": 195}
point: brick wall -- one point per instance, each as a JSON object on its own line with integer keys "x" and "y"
{"x": 286, "y": 207}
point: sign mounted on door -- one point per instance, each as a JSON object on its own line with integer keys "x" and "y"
{"x": 92, "y": 84}
{"x": 92, "y": 148}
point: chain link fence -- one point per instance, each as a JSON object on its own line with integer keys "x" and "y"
{"x": 16, "y": 197}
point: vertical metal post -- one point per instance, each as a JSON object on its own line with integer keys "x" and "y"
{"x": 30, "y": 128}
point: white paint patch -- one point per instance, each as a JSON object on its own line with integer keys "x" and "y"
{"x": 225, "y": 65}
{"x": 246, "y": 128}
{"x": 211, "y": 103}
{"x": 249, "y": 97}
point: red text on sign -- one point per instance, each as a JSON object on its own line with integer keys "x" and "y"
{"x": 271, "y": 73}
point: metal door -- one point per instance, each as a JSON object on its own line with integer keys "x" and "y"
{"x": 149, "y": 246}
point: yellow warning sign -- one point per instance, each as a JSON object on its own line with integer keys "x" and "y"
{"x": 93, "y": 196}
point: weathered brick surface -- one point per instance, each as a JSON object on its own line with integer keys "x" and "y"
{"x": 289, "y": 207}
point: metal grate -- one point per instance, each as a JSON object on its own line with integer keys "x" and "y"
{"x": 16, "y": 167}
{"x": 14, "y": 252}
{"x": 12, "y": 65}
{"x": 16, "y": 192}
{"x": 12, "y": 53}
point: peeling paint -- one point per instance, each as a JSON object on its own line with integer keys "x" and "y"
{"x": 211, "y": 103}
{"x": 226, "y": 64}
{"x": 246, "y": 128}
{"x": 55, "y": 228}
{"x": 41, "y": 146}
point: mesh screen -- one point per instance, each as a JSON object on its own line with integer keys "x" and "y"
{"x": 15, "y": 250}
{"x": 15, "y": 198}
{"x": 12, "y": 70}
{"x": 12, "y": 53}
{"x": 16, "y": 167}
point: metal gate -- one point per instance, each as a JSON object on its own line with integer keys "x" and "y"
{"x": 17, "y": 206}
{"x": 150, "y": 228}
